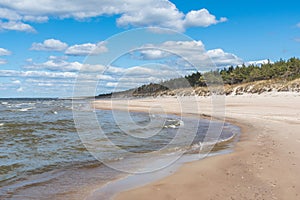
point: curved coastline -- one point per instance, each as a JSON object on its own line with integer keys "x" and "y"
{"x": 114, "y": 187}
{"x": 269, "y": 143}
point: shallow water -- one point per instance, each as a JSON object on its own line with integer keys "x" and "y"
{"x": 43, "y": 157}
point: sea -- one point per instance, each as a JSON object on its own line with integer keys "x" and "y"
{"x": 44, "y": 154}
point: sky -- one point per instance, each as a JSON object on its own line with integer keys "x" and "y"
{"x": 46, "y": 46}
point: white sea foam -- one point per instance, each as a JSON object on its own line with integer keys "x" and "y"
{"x": 26, "y": 109}
{"x": 1, "y": 124}
{"x": 179, "y": 123}
{"x": 24, "y": 104}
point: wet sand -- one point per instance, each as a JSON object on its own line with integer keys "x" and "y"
{"x": 264, "y": 165}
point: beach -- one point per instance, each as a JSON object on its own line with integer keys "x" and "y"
{"x": 265, "y": 162}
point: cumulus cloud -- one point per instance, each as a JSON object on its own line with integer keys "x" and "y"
{"x": 164, "y": 14}
{"x": 44, "y": 74}
{"x": 223, "y": 59}
{"x": 258, "y": 62}
{"x": 20, "y": 89}
{"x": 9, "y": 14}
{"x": 16, "y": 26}
{"x": 60, "y": 64}
{"x": 86, "y": 49}
{"x": 139, "y": 75}
{"x": 48, "y": 82}
{"x": 160, "y": 13}
{"x": 201, "y": 18}
{"x": 4, "y": 52}
{"x": 149, "y": 13}
{"x": 16, "y": 82}
{"x": 37, "y": 19}
{"x": 153, "y": 54}
{"x": 191, "y": 51}
{"x": 2, "y": 61}
{"x": 178, "y": 47}
{"x": 54, "y": 65}
{"x": 49, "y": 45}
{"x": 11, "y": 20}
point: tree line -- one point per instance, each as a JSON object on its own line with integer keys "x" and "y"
{"x": 282, "y": 69}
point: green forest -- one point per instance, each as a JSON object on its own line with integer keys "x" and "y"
{"x": 282, "y": 69}
{"x": 286, "y": 70}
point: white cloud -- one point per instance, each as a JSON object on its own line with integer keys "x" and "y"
{"x": 298, "y": 25}
{"x": 158, "y": 71}
{"x": 179, "y": 47}
{"x": 162, "y": 13}
{"x": 191, "y": 51}
{"x": 12, "y": 20}
{"x": 16, "y": 26}
{"x": 49, "y": 45}
{"x": 29, "y": 60}
{"x": 17, "y": 82}
{"x": 297, "y": 39}
{"x": 13, "y": 15}
{"x": 201, "y": 18}
{"x": 258, "y": 62}
{"x": 138, "y": 75}
{"x": 153, "y": 54}
{"x": 159, "y": 13}
{"x": 43, "y": 74}
{"x": 61, "y": 64}
{"x": 38, "y": 19}
{"x": 9, "y": 14}
{"x": 3, "y": 62}
{"x": 20, "y": 89}
{"x": 4, "y": 52}
{"x": 111, "y": 84}
{"x": 78, "y": 9}
{"x": 149, "y": 13}
{"x": 86, "y": 49}
{"x": 188, "y": 50}
{"x": 223, "y": 59}
{"x": 50, "y": 83}
{"x": 54, "y": 65}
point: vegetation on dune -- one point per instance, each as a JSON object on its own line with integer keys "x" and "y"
{"x": 281, "y": 71}
{"x": 284, "y": 70}
{"x": 287, "y": 70}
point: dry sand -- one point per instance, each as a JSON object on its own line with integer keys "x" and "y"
{"x": 264, "y": 165}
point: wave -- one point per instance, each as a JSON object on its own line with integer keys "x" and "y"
{"x": 174, "y": 123}
{"x": 24, "y": 104}
{"x": 25, "y": 109}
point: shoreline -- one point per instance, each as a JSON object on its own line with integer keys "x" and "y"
{"x": 252, "y": 170}
{"x": 131, "y": 181}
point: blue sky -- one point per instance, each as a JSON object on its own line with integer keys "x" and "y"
{"x": 43, "y": 44}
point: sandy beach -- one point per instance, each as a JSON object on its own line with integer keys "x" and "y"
{"x": 265, "y": 163}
